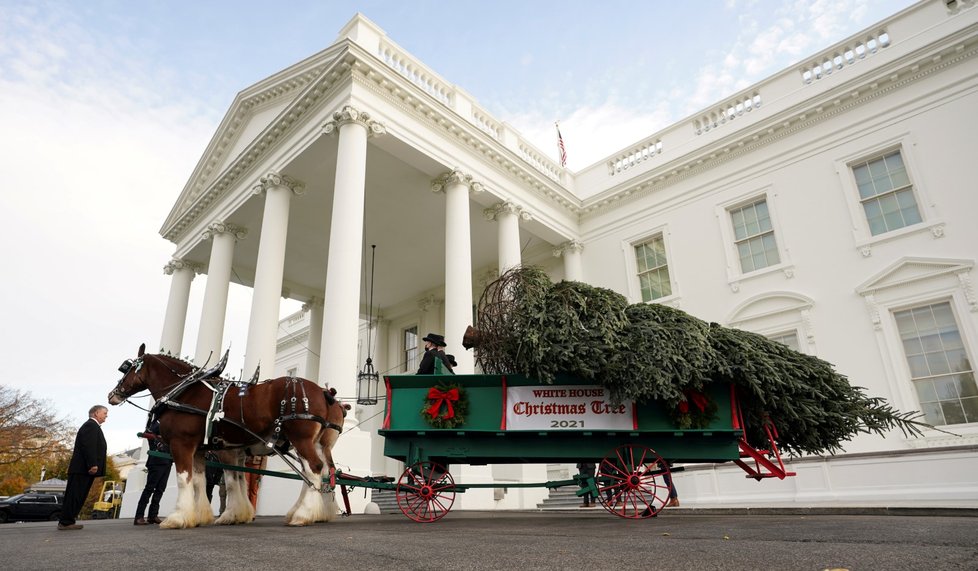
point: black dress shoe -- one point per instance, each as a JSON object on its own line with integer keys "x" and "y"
{"x": 70, "y": 526}
{"x": 140, "y": 521}
{"x": 155, "y": 519}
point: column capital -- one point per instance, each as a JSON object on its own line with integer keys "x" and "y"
{"x": 568, "y": 246}
{"x": 313, "y": 303}
{"x": 455, "y": 176}
{"x": 350, "y": 114}
{"x": 507, "y": 207}
{"x": 215, "y": 228}
{"x": 274, "y": 180}
{"x": 425, "y": 303}
{"x": 178, "y": 264}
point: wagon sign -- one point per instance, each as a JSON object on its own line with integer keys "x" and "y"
{"x": 566, "y": 407}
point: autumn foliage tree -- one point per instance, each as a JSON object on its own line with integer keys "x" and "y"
{"x": 32, "y": 437}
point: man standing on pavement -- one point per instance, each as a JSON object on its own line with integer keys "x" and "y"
{"x": 87, "y": 463}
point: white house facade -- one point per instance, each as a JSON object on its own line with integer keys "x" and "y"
{"x": 831, "y": 206}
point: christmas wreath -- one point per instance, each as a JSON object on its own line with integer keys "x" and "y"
{"x": 696, "y": 410}
{"x": 445, "y": 406}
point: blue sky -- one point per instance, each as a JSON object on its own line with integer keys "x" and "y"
{"x": 106, "y": 106}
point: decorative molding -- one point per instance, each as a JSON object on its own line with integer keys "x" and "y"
{"x": 425, "y": 303}
{"x": 507, "y": 207}
{"x": 874, "y": 311}
{"x": 789, "y": 272}
{"x": 178, "y": 264}
{"x": 455, "y": 176}
{"x": 276, "y": 180}
{"x": 568, "y": 246}
{"x": 815, "y": 111}
{"x": 735, "y": 287}
{"x": 937, "y": 230}
{"x": 315, "y": 302}
{"x": 350, "y": 114}
{"x": 964, "y": 278}
{"x": 908, "y": 270}
{"x": 806, "y": 320}
{"x": 215, "y": 228}
{"x": 866, "y": 251}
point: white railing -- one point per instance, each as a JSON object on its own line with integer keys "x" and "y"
{"x": 632, "y": 157}
{"x": 727, "y": 111}
{"x": 538, "y": 161}
{"x": 415, "y": 72}
{"x": 839, "y": 58}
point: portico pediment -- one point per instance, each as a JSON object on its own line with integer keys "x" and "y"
{"x": 253, "y": 110}
{"x": 908, "y": 270}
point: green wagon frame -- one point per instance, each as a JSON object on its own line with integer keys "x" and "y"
{"x": 634, "y": 462}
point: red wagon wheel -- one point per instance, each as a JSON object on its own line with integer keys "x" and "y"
{"x": 425, "y": 492}
{"x": 631, "y": 482}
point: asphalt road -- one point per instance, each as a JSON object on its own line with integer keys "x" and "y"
{"x": 509, "y": 540}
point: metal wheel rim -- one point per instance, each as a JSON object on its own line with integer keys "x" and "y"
{"x": 425, "y": 492}
{"x": 634, "y": 475}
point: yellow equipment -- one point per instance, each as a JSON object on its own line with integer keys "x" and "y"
{"x": 109, "y": 500}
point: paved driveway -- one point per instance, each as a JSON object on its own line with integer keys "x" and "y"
{"x": 510, "y": 540}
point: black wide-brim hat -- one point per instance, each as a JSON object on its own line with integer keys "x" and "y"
{"x": 435, "y": 338}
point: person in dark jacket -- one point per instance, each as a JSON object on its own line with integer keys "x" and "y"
{"x": 433, "y": 344}
{"x": 157, "y": 474}
{"x": 586, "y": 470}
{"x": 87, "y": 463}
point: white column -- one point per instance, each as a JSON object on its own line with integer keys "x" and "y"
{"x": 458, "y": 263}
{"x": 171, "y": 340}
{"x": 508, "y": 216}
{"x": 341, "y": 318}
{"x": 210, "y": 334}
{"x": 269, "y": 271}
{"x": 315, "y": 308}
{"x": 571, "y": 252}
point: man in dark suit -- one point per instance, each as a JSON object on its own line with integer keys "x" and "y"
{"x": 87, "y": 463}
{"x": 433, "y": 344}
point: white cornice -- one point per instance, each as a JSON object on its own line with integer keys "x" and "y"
{"x": 848, "y": 96}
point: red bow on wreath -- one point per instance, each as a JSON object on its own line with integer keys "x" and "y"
{"x": 446, "y": 397}
{"x": 698, "y": 399}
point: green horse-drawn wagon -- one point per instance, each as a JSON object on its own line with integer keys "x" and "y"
{"x": 432, "y": 421}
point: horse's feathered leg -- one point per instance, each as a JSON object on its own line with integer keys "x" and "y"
{"x": 238, "y": 508}
{"x": 203, "y": 511}
{"x": 183, "y": 514}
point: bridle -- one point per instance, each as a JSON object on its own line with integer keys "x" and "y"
{"x": 126, "y": 366}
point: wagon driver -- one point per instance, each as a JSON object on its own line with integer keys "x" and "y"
{"x": 433, "y": 344}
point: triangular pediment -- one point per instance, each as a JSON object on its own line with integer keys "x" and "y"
{"x": 769, "y": 304}
{"x": 252, "y": 112}
{"x": 910, "y": 269}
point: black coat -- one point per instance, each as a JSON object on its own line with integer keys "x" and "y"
{"x": 427, "y": 366}
{"x": 89, "y": 450}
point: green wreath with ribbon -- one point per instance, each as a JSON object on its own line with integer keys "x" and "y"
{"x": 695, "y": 411}
{"x": 445, "y": 406}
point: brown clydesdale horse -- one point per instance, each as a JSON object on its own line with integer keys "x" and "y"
{"x": 272, "y": 412}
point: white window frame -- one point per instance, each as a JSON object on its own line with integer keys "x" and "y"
{"x": 725, "y": 221}
{"x": 862, "y": 236}
{"x": 897, "y": 289}
{"x": 778, "y": 313}
{"x": 403, "y": 349}
{"x": 631, "y": 265}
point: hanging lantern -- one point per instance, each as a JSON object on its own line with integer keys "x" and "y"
{"x": 368, "y": 383}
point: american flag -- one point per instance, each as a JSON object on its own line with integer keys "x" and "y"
{"x": 560, "y": 147}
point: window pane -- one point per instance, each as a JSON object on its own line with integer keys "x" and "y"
{"x": 933, "y": 346}
{"x": 925, "y": 391}
{"x": 932, "y": 413}
{"x": 953, "y": 412}
{"x": 970, "y": 407}
{"x": 886, "y": 192}
{"x": 918, "y": 366}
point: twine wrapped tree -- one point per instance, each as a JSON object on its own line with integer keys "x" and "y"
{"x": 650, "y": 352}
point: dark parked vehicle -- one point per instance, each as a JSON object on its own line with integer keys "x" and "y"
{"x": 24, "y": 507}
